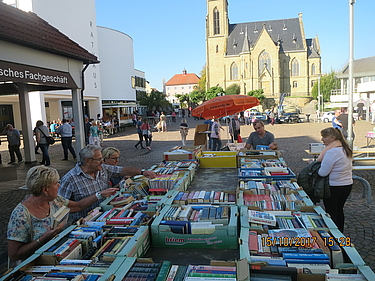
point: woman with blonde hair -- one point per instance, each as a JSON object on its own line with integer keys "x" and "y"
{"x": 336, "y": 163}
{"x": 30, "y": 223}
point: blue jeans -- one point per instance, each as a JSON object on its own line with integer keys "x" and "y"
{"x": 45, "y": 160}
{"x": 216, "y": 144}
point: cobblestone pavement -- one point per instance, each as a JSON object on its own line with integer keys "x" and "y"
{"x": 293, "y": 139}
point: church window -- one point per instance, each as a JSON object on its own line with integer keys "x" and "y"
{"x": 216, "y": 21}
{"x": 313, "y": 69}
{"x": 295, "y": 67}
{"x": 264, "y": 62}
{"x": 295, "y": 84}
{"x": 312, "y": 83}
{"x": 217, "y": 48}
{"x": 233, "y": 71}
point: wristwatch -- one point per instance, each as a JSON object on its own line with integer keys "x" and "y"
{"x": 99, "y": 196}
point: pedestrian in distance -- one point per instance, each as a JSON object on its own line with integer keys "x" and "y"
{"x": 42, "y": 133}
{"x": 139, "y": 132}
{"x": 94, "y": 134}
{"x": 146, "y": 132}
{"x": 14, "y": 143}
{"x": 184, "y": 130}
{"x": 234, "y": 128}
{"x": 215, "y": 135}
{"x": 66, "y": 133}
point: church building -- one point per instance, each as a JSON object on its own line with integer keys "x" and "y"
{"x": 273, "y": 55}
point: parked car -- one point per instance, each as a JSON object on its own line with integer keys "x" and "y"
{"x": 327, "y": 116}
{"x": 289, "y": 117}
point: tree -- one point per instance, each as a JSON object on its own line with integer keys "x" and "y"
{"x": 260, "y": 96}
{"x": 328, "y": 82}
{"x": 154, "y": 101}
{"x": 214, "y": 92}
{"x": 201, "y": 86}
{"x": 233, "y": 89}
{"x": 197, "y": 96}
{"x": 183, "y": 99}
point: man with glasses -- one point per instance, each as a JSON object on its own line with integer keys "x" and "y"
{"x": 91, "y": 176}
{"x": 260, "y": 137}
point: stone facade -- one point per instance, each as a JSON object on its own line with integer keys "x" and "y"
{"x": 273, "y": 55}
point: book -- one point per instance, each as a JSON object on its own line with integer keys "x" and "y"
{"x": 336, "y": 252}
{"x": 278, "y": 270}
{"x": 60, "y": 217}
{"x": 164, "y": 270}
{"x": 309, "y": 268}
{"x": 172, "y": 272}
{"x": 261, "y": 217}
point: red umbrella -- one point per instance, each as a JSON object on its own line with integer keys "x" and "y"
{"x": 224, "y": 105}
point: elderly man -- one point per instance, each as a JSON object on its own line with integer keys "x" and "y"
{"x": 14, "y": 143}
{"x": 260, "y": 137}
{"x": 91, "y": 176}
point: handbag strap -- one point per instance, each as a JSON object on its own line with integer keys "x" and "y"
{"x": 42, "y": 132}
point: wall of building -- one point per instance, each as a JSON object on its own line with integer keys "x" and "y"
{"x": 117, "y": 64}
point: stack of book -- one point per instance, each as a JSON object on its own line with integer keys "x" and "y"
{"x": 209, "y": 272}
{"x": 60, "y": 217}
{"x": 261, "y": 163}
{"x": 210, "y": 197}
{"x": 267, "y": 187}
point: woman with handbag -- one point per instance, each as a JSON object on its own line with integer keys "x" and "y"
{"x": 42, "y": 134}
{"x": 146, "y": 131}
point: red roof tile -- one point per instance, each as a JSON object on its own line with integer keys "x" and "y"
{"x": 183, "y": 79}
{"x": 29, "y": 30}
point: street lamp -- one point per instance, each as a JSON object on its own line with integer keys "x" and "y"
{"x": 320, "y": 98}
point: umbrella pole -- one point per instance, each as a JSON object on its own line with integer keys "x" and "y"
{"x": 227, "y": 126}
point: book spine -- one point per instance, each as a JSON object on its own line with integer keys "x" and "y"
{"x": 163, "y": 273}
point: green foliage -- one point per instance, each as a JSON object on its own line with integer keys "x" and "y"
{"x": 258, "y": 94}
{"x": 183, "y": 99}
{"x": 328, "y": 82}
{"x": 154, "y": 101}
{"x": 233, "y": 89}
{"x": 197, "y": 96}
{"x": 201, "y": 86}
{"x": 214, "y": 92}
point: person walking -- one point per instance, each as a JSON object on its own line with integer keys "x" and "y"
{"x": 139, "y": 132}
{"x": 184, "y": 129}
{"x": 66, "y": 133}
{"x": 209, "y": 122}
{"x": 163, "y": 120}
{"x": 14, "y": 143}
{"x": 215, "y": 135}
{"x": 42, "y": 133}
{"x": 94, "y": 134}
{"x": 146, "y": 131}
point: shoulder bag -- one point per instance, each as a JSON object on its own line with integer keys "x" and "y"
{"x": 49, "y": 139}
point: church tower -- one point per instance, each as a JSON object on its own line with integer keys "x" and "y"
{"x": 217, "y": 29}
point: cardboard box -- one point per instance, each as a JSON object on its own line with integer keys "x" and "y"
{"x": 218, "y": 159}
{"x": 180, "y": 153}
{"x": 222, "y": 237}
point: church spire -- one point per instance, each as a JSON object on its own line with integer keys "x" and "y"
{"x": 245, "y": 47}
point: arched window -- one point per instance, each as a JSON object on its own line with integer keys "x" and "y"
{"x": 295, "y": 67}
{"x": 264, "y": 62}
{"x": 233, "y": 71}
{"x": 313, "y": 69}
{"x": 217, "y": 48}
{"x": 216, "y": 21}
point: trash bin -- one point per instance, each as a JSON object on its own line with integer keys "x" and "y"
{"x": 308, "y": 117}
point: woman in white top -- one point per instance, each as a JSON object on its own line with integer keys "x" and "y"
{"x": 336, "y": 163}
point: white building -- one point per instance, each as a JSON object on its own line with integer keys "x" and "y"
{"x": 77, "y": 19}
{"x": 363, "y": 83}
{"x": 180, "y": 84}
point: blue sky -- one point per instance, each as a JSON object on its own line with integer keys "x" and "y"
{"x": 169, "y": 35}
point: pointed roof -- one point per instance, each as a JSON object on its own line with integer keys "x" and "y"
{"x": 183, "y": 79}
{"x": 361, "y": 67}
{"x": 287, "y": 33}
{"x": 29, "y": 30}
